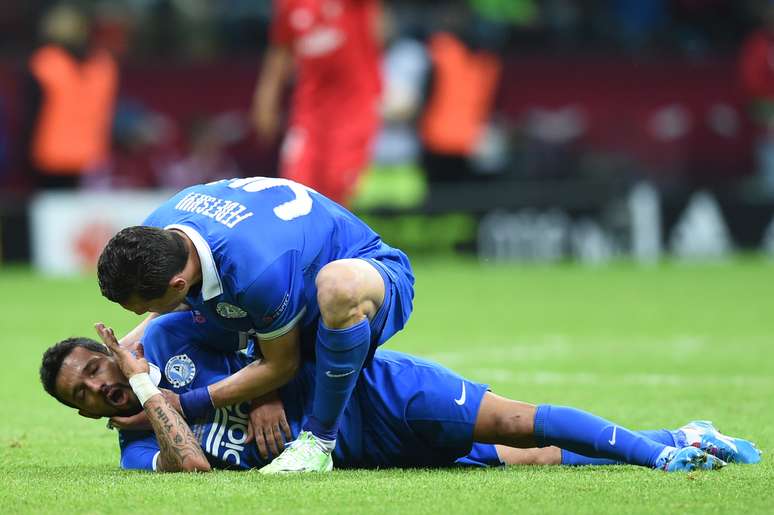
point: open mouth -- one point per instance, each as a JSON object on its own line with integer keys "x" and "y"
{"x": 116, "y": 396}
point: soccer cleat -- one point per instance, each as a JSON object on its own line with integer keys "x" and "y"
{"x": 304, "y": 454}
{"x": 688, "y": 459}
{"x": 702, "y": 434}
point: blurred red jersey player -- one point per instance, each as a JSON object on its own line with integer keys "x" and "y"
{"x": 335, "y": 46}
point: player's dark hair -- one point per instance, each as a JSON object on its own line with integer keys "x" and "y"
{"x": 140, "y": 260}
{"x": 55, "y": 355}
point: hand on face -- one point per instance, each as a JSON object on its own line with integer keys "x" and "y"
{"x": 92, "y": 382}
{"x": 128, "y": 363}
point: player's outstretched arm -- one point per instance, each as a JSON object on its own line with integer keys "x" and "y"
{"x": 280, "y": 363}
{"x": 179, "y": 448}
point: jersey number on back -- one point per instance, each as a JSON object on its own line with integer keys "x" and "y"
{"x": 299, "y": 206}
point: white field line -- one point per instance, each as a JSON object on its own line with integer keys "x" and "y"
{"x": 501, "y": 353}
{"x": 509, "y": 357}
{"x": 562, "y": 347}
{"x": 497, "y": 375}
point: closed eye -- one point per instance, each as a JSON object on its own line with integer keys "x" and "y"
{"x": 92, "y": 366}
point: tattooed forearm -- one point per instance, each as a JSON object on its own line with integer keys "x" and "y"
{"x": 180, "y": 450}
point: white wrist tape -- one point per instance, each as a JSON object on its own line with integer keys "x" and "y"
{"x": 143, "y": 387}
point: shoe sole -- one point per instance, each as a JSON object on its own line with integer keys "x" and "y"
{"x": 278, "y": 472}
{"x": 699, "y": 462}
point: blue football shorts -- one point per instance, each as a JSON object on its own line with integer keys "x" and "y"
{"x": 415, "y": 413}
{"x": 394, "y": 267}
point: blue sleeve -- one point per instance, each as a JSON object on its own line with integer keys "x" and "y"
{"x": 139, "y": 450}
{"x": 153, "y": 341}
{"x": 174, "y": 330}
{"x": 275, "y": 300}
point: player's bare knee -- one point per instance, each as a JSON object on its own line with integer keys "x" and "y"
{"x": 338, "y": 295}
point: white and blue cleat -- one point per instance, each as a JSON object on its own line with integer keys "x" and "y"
{"x": 703, "y": 435}
{"x": 688, "y": 459}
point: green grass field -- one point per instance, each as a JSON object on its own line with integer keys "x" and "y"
{"x": 646, "y": 347}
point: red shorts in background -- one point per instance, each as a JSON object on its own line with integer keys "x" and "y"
{"x": 334, "y": 115}
{"x": 329, "y": 156}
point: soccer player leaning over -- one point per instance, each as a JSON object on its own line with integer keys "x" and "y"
{"x": 281, "y": 261}
{"x": 404, "y": 412}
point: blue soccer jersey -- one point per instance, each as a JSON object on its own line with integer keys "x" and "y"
{"x": 261, "y": 242}
{"x": 185, "y": 352}
{"x": 403, "y": 412}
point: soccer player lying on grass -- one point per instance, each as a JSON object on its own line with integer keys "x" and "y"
{"x": 405, "y": 412}
{"x": 275, "y": 258}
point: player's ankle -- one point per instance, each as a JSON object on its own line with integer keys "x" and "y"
{"x": 326, "y": 445}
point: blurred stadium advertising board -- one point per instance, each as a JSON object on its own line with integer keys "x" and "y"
{"x": 69, "y": 230}
{"x": 695, "y": 225}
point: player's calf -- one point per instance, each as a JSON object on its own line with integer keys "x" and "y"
{"x": 536, "y": 456}
{"x": 349, "y": 293}
{"x": 502, "y": 421}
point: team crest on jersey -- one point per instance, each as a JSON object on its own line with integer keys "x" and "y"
{"x": 180, "y": 370}
{"x": 229, "y": 310}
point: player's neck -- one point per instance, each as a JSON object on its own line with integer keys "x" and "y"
{"x": 193, "y": 266}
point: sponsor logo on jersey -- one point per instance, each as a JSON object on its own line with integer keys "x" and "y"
{"x": 228, "y": 433}
{"x": 180, "y": 370}
{"x": 227, "y": 310}
{"x": 320, "y": 41}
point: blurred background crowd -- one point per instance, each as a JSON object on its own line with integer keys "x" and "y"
{"x": 526, "y": 125}
{"x": 206, "y": 30}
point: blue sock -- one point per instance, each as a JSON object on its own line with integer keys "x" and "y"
{"x": 340, "y": 354}
{"x": 663, "y": 436}
{"x": 583, "y": 433}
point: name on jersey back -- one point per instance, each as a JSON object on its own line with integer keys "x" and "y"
{"x": 226, "y": 212}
